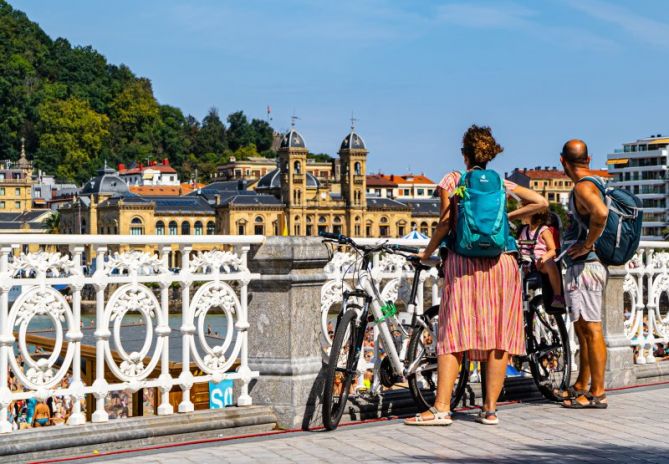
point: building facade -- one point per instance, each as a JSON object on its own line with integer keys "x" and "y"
{"x": 551, "y": 182}
{"x": 16, "y": 181}
{"x": 408, "y": 186}
{"x": 641, "y": 167}
{"x": 154, "y": 173}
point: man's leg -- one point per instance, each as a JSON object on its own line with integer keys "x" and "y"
{"x": 597, "y": 355}
{"x": 583, "y": 379}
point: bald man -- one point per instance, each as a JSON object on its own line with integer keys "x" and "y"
{"x": 585, "y": 279}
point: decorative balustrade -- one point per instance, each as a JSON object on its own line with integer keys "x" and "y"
{"x": 646, "y": 288}
{"x": 215, "y": 266}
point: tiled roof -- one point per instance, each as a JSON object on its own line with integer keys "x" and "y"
{"x": 384, "y": 203}
{"x": 393, "y": 180}
{"x": 424, "y": 207}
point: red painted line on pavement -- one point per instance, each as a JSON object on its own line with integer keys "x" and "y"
{"x": 277, "y": 432}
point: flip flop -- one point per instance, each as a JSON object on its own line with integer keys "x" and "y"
{"x": 438, "y": 418}
{"x": 483, "y": 418}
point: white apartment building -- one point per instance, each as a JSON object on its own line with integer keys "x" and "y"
{"x": 155, "y": 173}
{"x": 407, "y": 186}
{"x": 641, "y": 168}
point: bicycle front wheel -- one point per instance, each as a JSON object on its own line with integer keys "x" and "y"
{"x": 423, "y": 381}
{"x": 550, "y": 353}
{"x": 341, "y": 369}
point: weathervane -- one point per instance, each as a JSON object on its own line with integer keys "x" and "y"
{"x": 293, "y": 118}
{"x": 353, "y": 121}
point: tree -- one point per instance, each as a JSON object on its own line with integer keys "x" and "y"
{"x": 240, "y": 132}
{"x": 71, "y": 137}
{"x": 211, "y": 135}
{"x": 135, "y": 122}
{"x": 263, "y": 134}
{"x": 52, "y": 223}
{"x": 243, "y": 153}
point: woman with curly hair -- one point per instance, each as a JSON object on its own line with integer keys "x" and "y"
{"x": 481, "y": 308}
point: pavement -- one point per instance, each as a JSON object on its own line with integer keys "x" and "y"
{"x": 632, "y": 430}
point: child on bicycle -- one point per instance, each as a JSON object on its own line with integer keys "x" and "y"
{"x": 542, "y": 251}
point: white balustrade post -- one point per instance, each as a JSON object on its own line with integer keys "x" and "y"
{"x": 102, "y": 334}
{"x": 187, "y": 331}
{"x": 6, "y": 342}
{"x": 163, "y": 331}
{"x": 76, "y": 386}
{"x": 242, "y": 325}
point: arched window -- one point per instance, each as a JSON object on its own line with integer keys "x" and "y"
{"x": 173, "y": 227}
{"x": 401, "y": 228}
{"x": 336, "y": 226}
{"x": 275, "y": 226}
{"x": 259, "y": 226}
{"x": 357, "y": 168}
{"x": 383, "y": 220}
{"x": 322, "y": 220}
{"x": 297, "y": 229}
{"x": 433, "y": 228}
{"x": 368, "y": 229}
{"x": 185, "y": 228}
{"x": 136, "y": 226}
{"x": 198, "y": 228}
{"x": 423, "y": 228}
{"x": 297, "y": 167}
{"x": 160, "y": 228}
{"x": 241, "y": 227}
{"x": 384, "y": 229}
{"x": 211, "y": 228}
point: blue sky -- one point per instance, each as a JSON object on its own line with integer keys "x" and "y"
{"x": 415, "y": 73}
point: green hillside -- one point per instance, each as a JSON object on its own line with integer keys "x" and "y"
{"x": 76, "y": 110}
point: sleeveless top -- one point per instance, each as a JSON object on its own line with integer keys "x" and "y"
{"x": 539, "y": 247}
{"x": 575, "y": 233}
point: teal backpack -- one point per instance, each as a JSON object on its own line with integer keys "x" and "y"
{"x": 478, "y": 206}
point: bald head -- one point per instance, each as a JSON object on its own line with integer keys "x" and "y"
{"x": 575, "y": 152}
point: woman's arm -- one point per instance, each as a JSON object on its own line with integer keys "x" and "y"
{"x": 532, "y": 203}
{"x": 442, "y": 228}
{"x": 550, "y": 245}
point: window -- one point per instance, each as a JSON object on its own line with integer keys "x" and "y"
{"x": 423, "y": 228}
{"x": 430, "y": 192}
{"x": 407, "y": 192}
{"x": 421, "y": 192}
{"x": 383, "y": 231}
{"x": 241, "y": 227}
{"x": 136, "y": 226}
{"x": 259, "y": 228}
{"x": 401, "y": 228}
{"x": 160, "y": 228}
{"x": 357, "y": 230}
{"x": 211, "y": 228}
{"x": 297, "y": 167}
{"x": 173, "y": 227}
{"x": 2, "y": 191}
{"x": 310, "y": 229}
{"x": 368, "y": 229}
{"x": 2, "y": 205}
{"x": 185, "y": 228}
{"x": 357, "y": 169}
{"x": 17, "y": 192}
{"x": 433, "y": 228}
{"x": 17, "y": 204}
{"x": 198, "y": 228}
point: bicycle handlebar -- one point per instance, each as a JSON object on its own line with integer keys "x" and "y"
{"x": 404, "y": 249}
{"x": 331, "y": 236}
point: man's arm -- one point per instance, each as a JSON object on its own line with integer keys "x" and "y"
{"x": 589, "y": 200}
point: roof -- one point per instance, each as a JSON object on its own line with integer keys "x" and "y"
{"x": 182, "y": 205}
{"x": 353, "y": 141}
{"x": 552, "y": 173}
{"x": 272, "y": 180}
{"x": 385, "y": 203}
{"x": 162, "y": 168}
{"x": 424, "y": 207}
{"x": 293, "y": 139}
{"x": 164, "y": 190}
{"x": 255, "y": 199}
{"x": 107, "y": 181}
{"x": 394, "y": 180}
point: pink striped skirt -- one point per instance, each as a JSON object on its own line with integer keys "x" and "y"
{"x": 481, "y": 307}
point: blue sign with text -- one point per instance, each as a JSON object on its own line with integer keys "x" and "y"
{"x": 220, "y": 394}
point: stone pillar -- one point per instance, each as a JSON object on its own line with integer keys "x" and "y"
{"x": 620, "y": 359}
{"x": 284, "y": 332}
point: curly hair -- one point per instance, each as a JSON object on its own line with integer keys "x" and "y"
{"x": 479, "y": 146}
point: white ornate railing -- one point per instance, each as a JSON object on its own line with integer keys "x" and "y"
{"x": 646, "y": 312}
{"x": 208, "y": 263}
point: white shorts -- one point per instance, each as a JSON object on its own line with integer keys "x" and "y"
{"x": 584, "y": 290}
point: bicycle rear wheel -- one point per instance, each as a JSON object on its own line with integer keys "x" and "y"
{"x": 341, "y": 369}
{"x": 550, "y": 356}
{"x": 423, "y": 383}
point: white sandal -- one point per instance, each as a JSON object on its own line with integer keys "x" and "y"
{"x": 439, "y": 418}
{"x": 483, "y": 418}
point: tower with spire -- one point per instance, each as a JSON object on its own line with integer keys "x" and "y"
{"x": 353, "y": 158}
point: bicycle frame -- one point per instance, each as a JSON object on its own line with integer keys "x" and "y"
{"x": 367, "y": 290}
